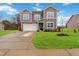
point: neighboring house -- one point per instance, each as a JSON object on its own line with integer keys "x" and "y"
{"x": 1, "y": 26}
{"x": 73, "y": 21}
{"x": 39, "y": 20}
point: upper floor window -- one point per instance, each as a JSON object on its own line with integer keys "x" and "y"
{"x": 37, "y": 17}
{"x": 50, "y": 15}
{"x": 25, "y": 16}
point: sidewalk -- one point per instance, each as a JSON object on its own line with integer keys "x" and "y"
{"x": 41, "y": 52}
{"x": 20, "y": 44}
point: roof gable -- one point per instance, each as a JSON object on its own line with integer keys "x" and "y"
{"x": 50, "y": 7}
{"x": 25, "y": 10}
{"x": 73, "y": 16}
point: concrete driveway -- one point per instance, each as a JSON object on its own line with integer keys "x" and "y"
{"x": 20, "y": 44}
{"x": 18, "y": 40}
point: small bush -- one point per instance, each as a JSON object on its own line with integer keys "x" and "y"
{"x": 74, "y": 30}
{"x": 38, "y": 30}
{"x": 50, "y": 30}
{"x": 62, "y": 34}
{"x": 59, "y": 29}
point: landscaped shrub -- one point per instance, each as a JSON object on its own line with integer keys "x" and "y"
{"x": 55, "y": 30}
{"x": 49, "y": 30}
{"x": 74, "y": 30}
{"x": 62, "y": 34}
{"x": 37, "y": 30}
{"x": 59, "y": 29}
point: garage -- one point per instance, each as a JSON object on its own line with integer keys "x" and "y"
{"x": 30, "y": 27}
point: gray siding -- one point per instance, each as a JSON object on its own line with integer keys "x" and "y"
{"x": 73, "y": 22}
{"x": 43, "y": 14}
{"x": 50, "y": 20}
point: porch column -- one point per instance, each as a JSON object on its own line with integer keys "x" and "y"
{"x": 43, "y": 26}
{"x": 38, "y": 27}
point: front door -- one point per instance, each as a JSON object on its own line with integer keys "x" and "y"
{"x": 41, "y": 26}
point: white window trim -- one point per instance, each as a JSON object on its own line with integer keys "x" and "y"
{"x": 27, "y": 17}
{"x": 49, "y": 27}
{"x": 38, "y": 16}
{"x": 50, "y": 17}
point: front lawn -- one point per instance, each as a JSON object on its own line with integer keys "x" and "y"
{"x": 48, "y": 40}
{"x": 5, "y": 32}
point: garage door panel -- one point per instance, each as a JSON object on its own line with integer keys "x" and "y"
{"x": 30, "y": 27}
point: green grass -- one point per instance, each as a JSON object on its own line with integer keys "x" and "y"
{"x": 50, "y": 40}
{"x": 5, "y": 32}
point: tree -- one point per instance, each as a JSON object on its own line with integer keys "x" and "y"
{"x": 62, "y": 21}
{"x": 6, "y": 24}
{"x": 18, "y": 22}
{"x": 1, "y": 17}
{"x": 9, "y": 25}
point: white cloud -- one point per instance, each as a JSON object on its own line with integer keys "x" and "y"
{"x": 37, "y": 8}
{"x": 8, "y": 9}
{"x": 61, "y": 16}
{"x": 37, "y": 4}
{"x": 64, "y": 18}
{"x": 61, "y": 13}
{"x": 67, "y": 3}
{"x": 9, "y": 3}
{"x": 10, "y": 13}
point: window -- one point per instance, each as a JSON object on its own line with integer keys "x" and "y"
{"x": 37, "y": 17}
{"x": 50, "y": 24}
{"x": 25, "y": 16}
{"x": 50, "y": 15}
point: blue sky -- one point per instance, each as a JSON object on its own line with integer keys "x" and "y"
{"x": 8, "y": 10}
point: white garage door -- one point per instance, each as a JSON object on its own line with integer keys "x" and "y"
{"x": 30, "y": 27}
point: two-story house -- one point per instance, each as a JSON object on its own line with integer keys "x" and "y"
{"x": 38, "y": 20}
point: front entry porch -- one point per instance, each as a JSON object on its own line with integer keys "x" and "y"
{"x": 41, "y": 26}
